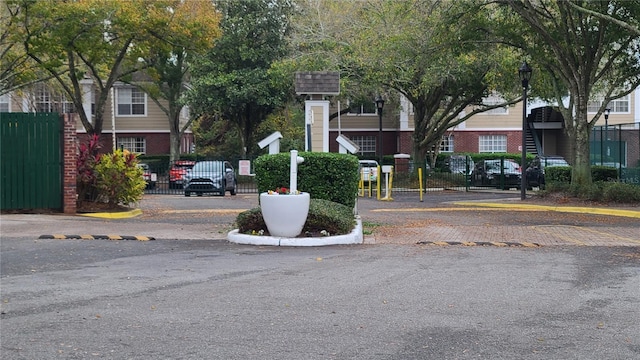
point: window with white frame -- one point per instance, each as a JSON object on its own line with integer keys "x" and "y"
{"x": 621, "y": 105}
{"x": 48, "y": 101}
{"x": 5, "y": 101}
{"x": 447, "y": 143}
{"x": 367, "y": 144}
{"x": 131, "y": 101}
{"x": 136, "y": 145}
{"x": 43, "y": 100}
{"x": 362, "y": 107}
{"x": 66, "y": 106}
{"x": 492, "y": 144}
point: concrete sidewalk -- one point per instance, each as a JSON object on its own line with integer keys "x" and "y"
{"x": 440, "y": 220}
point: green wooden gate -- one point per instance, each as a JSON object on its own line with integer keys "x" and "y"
{"x": 31, "y": 168}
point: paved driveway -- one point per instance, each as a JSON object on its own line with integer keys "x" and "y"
{"x": 192, "y": 295}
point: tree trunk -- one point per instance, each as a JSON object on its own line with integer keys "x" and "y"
{"x": 174, "y": 146}
{"x": 581, "y": 168}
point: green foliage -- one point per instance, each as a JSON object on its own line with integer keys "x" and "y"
{"x": 328, "y": 176}
{"x": 621, "y": 192}
{"x": 334, "y": 218}
{"x": 119, "y": 179}
{"x": 559, "y": 174}
{"x": 607, "y": 69}
{"x": 290, "y": 122}
{"x": 71, "y": 41}
{"x": 599, "y": 191}
{"x": 233, "y": 82}
{"x": 86, "y": 178}
{"x": 603, "y": 173}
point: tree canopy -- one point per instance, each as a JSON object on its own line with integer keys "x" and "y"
{"x": 104, "y": 41}
{"x": 580, "y": 58}
{"x": 235, "y": 81}
{"x": 437, "y": 54}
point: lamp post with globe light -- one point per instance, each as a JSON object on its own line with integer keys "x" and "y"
{"x": 524, "y": 72}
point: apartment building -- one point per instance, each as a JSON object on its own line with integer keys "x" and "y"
{"x": 132, "y": 118}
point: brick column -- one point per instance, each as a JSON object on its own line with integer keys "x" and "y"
{"x": 70, "y": 148}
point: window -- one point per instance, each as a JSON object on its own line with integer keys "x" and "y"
{"x": 46, "y": 101}
{"x": 65, "y": 106}
{"x": 131, "y": 101}
{"x": 367, "y": 144}
{"x": 617, "y": 106}
{"x": 493, "y": 144}
{"x": 362, "y": 107}
{"x": 4, "y": 103}
{"x": 43, "y": 100}
{"x": 447, "y": 143}
{"x": 133, "y": 144}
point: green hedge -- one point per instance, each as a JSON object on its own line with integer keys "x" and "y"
{"x": 328, "y": 176}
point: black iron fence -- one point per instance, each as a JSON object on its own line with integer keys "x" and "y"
{"x": 166, "y": 178}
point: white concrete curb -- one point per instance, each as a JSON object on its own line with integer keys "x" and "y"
{"x": 354, "y": 237}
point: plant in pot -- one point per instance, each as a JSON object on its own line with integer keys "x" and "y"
{"x": 284, "y": 211}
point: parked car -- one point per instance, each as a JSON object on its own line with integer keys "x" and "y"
{"x": 210, "y": 177}
{"x": 488, "y": 173}
{"x": 457, "y": 164}
{"x": 535, "y": 170}
{"x": 368, "y": 170}
{"x": 149, "y": 177}
{"x": 177, "y": 173}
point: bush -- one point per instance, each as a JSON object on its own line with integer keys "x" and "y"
{"x": 86, "y": 179}
{"x": 119, "y": 179}
{"x": 327, "y": 176}
{"x": 334, "y": 218}
{"x": 602, "y": 191}
{"x": 621, "y": 192}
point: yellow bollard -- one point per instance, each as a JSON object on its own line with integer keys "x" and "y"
{"x": 378, "y": 183}
{"x": 420, "y": 180}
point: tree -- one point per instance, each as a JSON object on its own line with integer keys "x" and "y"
{"x": 437, "y": 54}
{"x": 633, "y": 8}
{"x": 235, "y": 81}
{"x": 100, "y": 41}
{"x": 16, "y": 68}
{"x": 580, "y": 56}
{"x": 168, "y": 68}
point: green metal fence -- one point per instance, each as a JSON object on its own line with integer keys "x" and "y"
{"x": 617, "y": 146}
{"x": 31, "y": 168}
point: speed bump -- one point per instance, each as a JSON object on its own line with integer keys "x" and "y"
{"x": 479, "y": 243}
{"x": 96, "y": 237}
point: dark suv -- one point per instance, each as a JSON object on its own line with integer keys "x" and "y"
{"x": 535, "y": 171}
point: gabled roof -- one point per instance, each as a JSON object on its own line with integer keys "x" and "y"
{"x": 318, "y": 82}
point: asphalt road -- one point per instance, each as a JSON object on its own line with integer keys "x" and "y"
{"x": 210, "y": 299}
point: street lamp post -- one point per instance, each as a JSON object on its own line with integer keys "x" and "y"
{"x": 525, "y": 75}
{"x": 380, "y": 105}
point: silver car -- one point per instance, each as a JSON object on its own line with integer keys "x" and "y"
{"x": 210, "y": 177}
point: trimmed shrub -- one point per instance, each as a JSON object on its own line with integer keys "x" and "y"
{"x": 334, "y": 218}
{"x": 327, "y": 176}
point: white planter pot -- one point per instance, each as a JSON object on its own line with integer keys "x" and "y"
{"x": 284, "y": 215}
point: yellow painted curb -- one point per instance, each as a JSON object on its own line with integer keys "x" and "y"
{"x": 115, "y": 215}
{"x": 567, "y": 209}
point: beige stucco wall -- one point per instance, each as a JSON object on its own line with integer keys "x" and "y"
{"x": 317, "y": 132}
